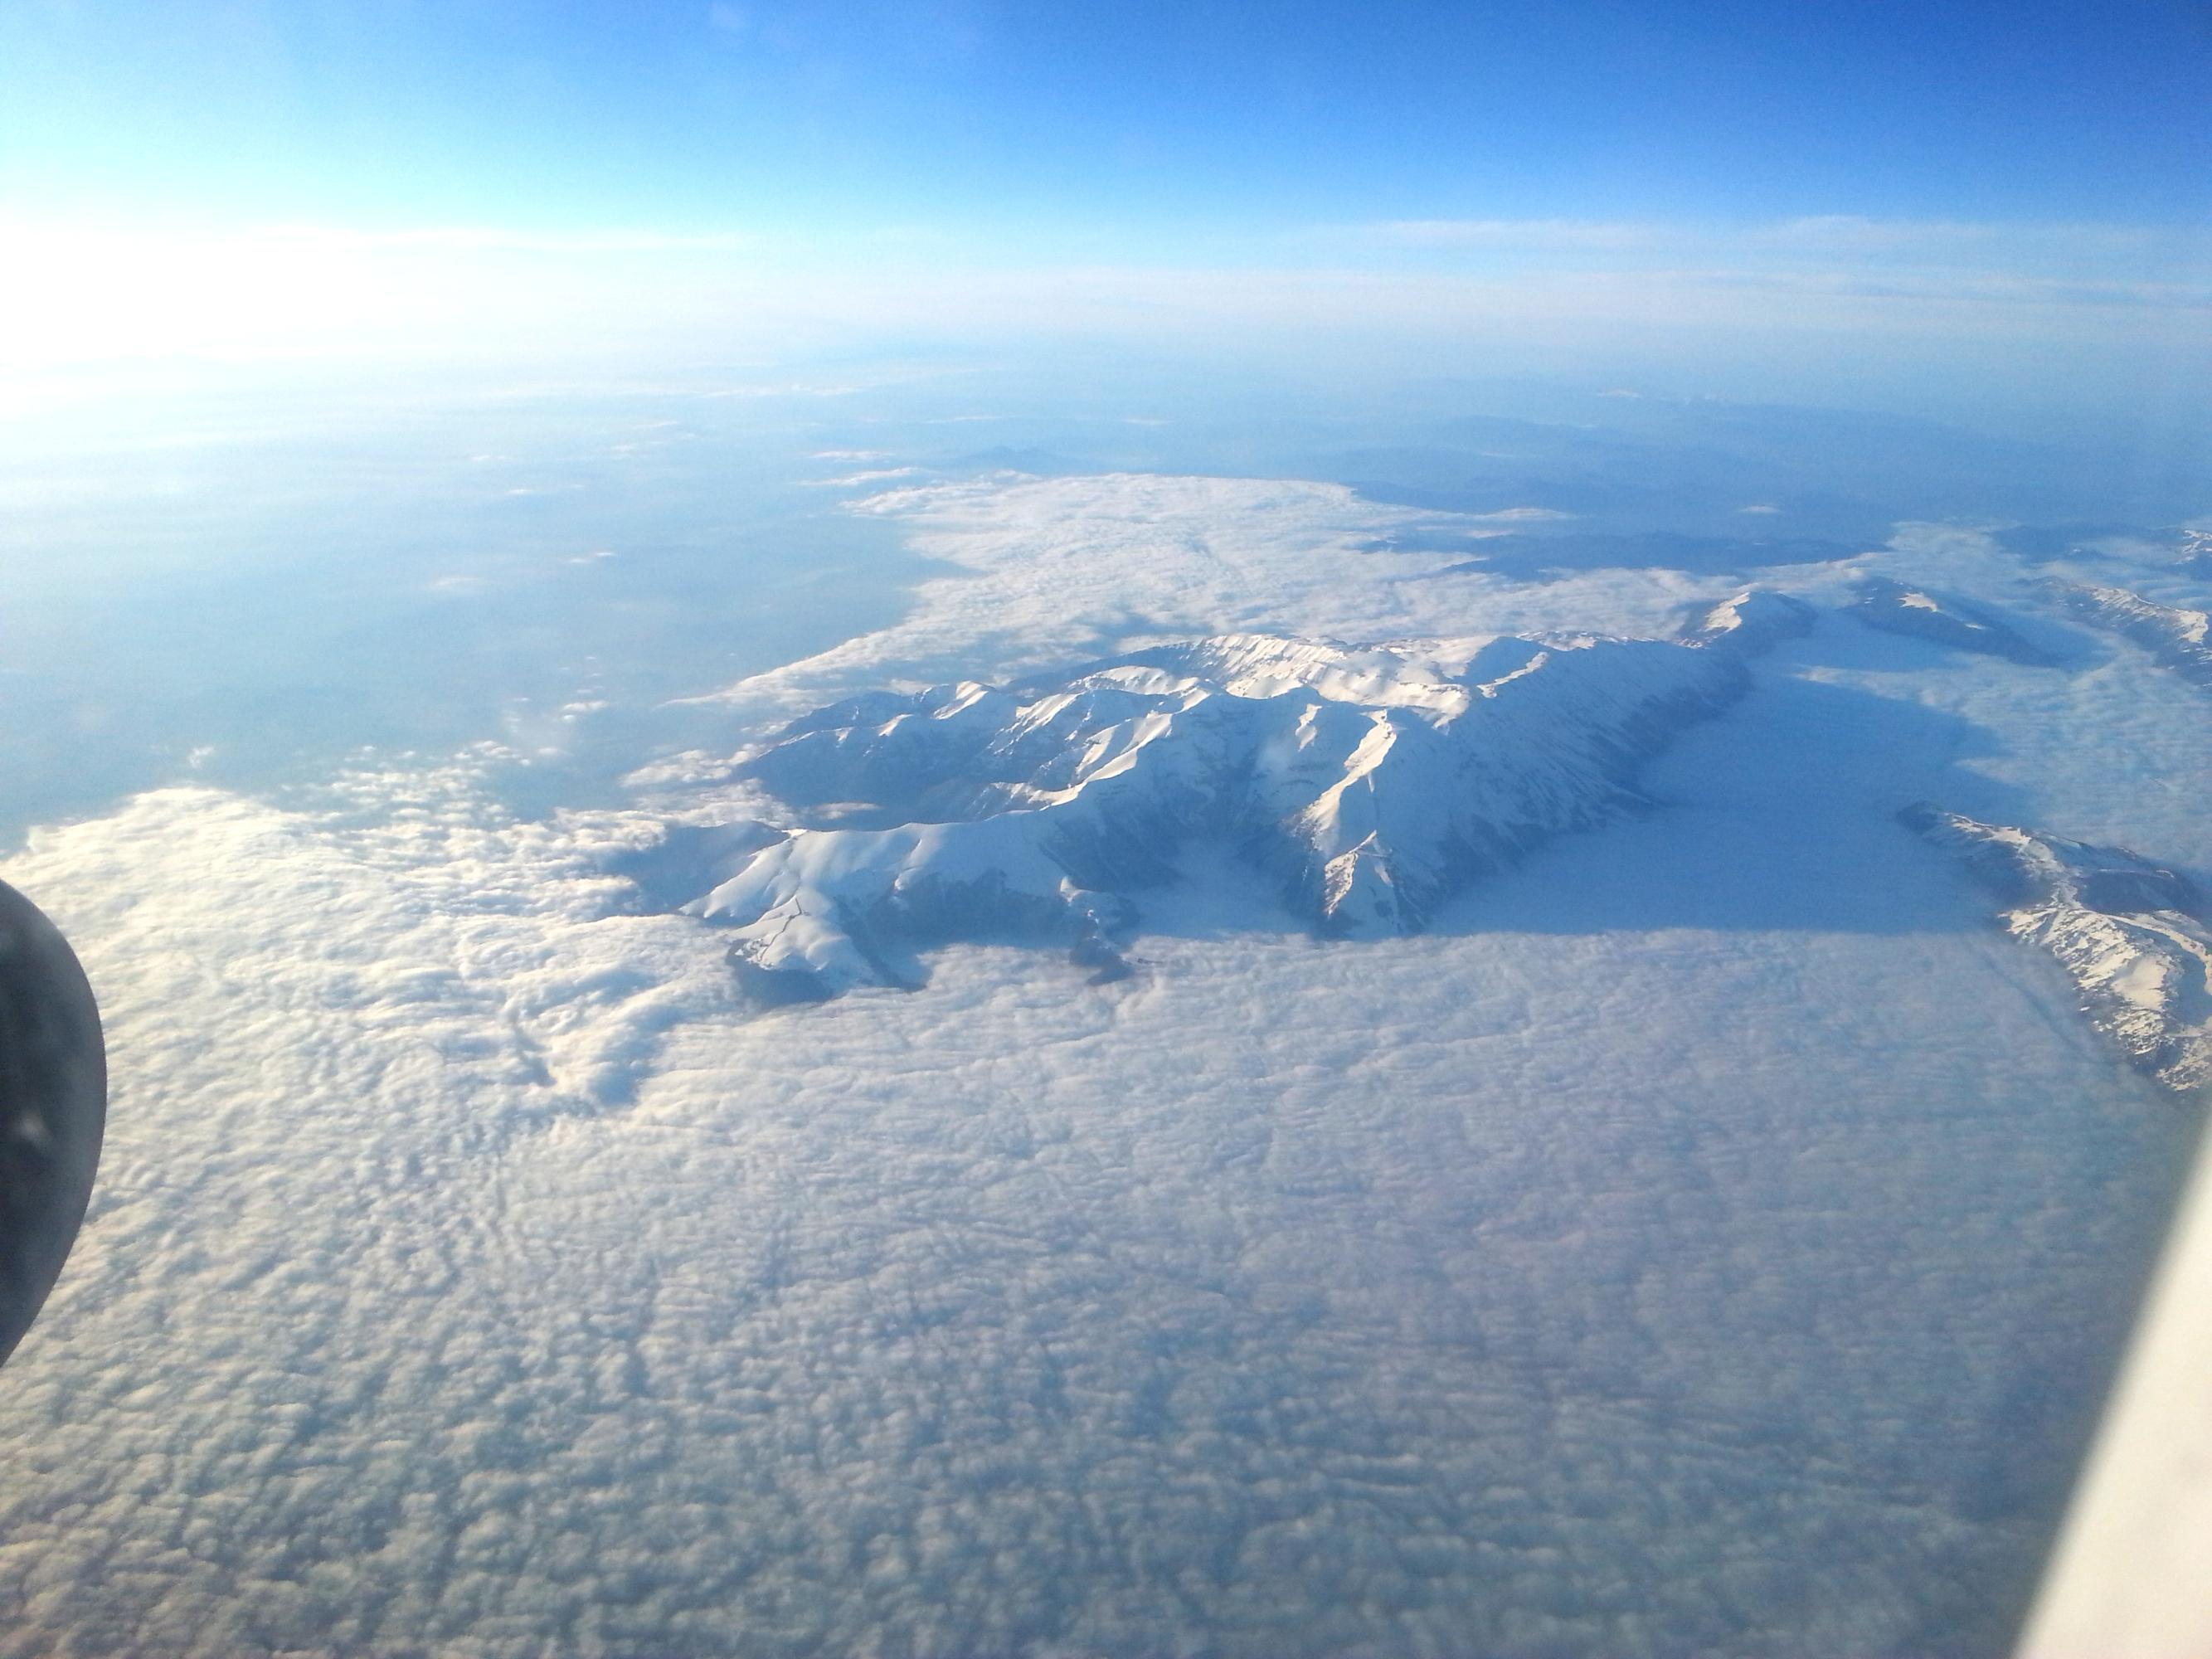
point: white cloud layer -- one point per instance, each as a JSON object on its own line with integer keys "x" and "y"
{"x": 1710, "y": 1239}
{"x": 1053, "y": 571}
{"x": 1547, "y": 1290}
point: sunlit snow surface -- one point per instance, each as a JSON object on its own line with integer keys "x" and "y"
{"x": 1711, "y": 1237}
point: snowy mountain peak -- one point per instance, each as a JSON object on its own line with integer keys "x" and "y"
{"x": 1432, "y": 676}
{"x": 2130, "y": 932}
{"x": 1755, "y": 620}
{"x": 1369, "y": 781}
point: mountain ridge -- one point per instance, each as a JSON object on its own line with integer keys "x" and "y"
{"x": 2131, "y": 934}
{"x": 1370, "y": 782}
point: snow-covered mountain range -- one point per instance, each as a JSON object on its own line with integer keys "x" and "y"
{"x": 1370, "y": 782}
{"x": 2178, "y": 637}
{"x": 2131, "y": 933}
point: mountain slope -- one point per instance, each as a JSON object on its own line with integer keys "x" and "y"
{"x": 2131, "y": 933}
{"x": 2176, "y": 636}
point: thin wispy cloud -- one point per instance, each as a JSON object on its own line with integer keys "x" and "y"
{"x": 2002, "y": 245}
{"x": 103, "y": 292}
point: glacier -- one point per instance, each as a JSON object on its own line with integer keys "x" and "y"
{"x": 2131, "y": 934}
{"x": 1369, "y": 782}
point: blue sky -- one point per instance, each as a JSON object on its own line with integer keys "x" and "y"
{"x": 2001, "y": 207}
{"x": 1129, "y": 120}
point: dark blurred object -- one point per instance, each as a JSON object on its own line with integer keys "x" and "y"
{"x": 53, "y": 1105}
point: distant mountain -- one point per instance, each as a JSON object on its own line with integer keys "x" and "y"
{"x": 2196, "y": 554}
{"x": 2176, "y": 636}
{"x": 2131, "y": 933}
{"x": 1534, "y": 555}
{"x": 1370, "y": 782}
{"x": 1038, "y": 462}
{"x": 1896, "y": 608}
